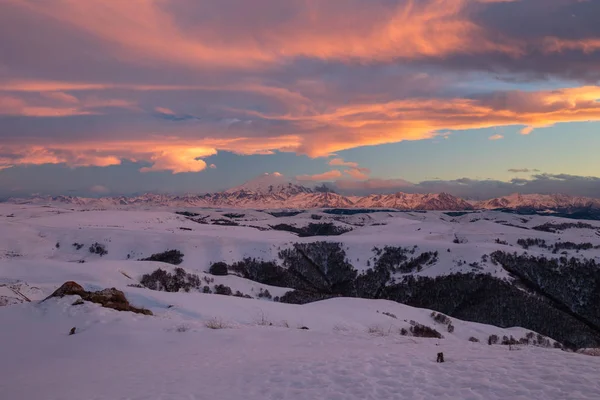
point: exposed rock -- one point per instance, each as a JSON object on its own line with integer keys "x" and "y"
{"x": 109, "y": 298}
{"x": 69, "y": 288}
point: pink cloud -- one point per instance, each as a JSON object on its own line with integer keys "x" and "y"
{"x": 329, "y": 175}
{"x": 339, "y": 162}
{"x": 358, "y": 173}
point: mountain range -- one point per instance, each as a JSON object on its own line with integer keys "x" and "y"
{"x": 272, "y": 191}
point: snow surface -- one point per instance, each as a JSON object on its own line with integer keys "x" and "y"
{"x": 352, "y": 350}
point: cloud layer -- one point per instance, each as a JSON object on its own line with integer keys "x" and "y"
{"x": 478, "y": 189}
{"x": 171, "y": 82}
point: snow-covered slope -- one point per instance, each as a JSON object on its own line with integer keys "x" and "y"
{"x": 352, "y": 349}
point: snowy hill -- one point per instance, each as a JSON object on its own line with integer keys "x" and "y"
{"x": 198, "y": 344}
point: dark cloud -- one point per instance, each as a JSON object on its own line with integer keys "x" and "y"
{"x": 482, "y": 189}
{"x": 522, "y": 170}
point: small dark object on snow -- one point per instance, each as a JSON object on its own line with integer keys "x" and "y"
{"x": 72, "y": 332}
{"x": 440, "y": 357}
{"x": 77, "y": 302}
{"x": 304, "y": 328}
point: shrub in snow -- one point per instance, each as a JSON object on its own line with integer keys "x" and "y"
{"x": 206, "y": 289}
{"x": 167, "y": 282}
{"x": 224, "y": 290}
{"x": 216, "y": 323}
{"x": 313, "y": 229}
{"x": 473, "y": 339}
{"x": 218, "y": 269}
{"x": 424, "y": 331}
{"x": 174, "y": 257}
{"x": 389, "y": 314}
{"x": 509, "y": 341}
{"x": 377, "y": 330}
{"x": 98, "y": 248}
{"x": 493, "y": 339}
{"x": 264, "y": 293}
{"x": 450, "y": 328}
{"x": 441, "y": 318}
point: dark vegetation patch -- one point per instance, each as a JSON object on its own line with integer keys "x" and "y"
{"x": 556, "y": 247}
{"x": 78, "y": 246}
{"x": 557, "y": 228}
{"x": 185, "y": 229}
{"x": 98, "y": 248}
{"x": 174, "y": 257}
{"x": 570, "y": 285}
{"x": 457, "y": 213}
{"x": 280, "y": 214}
{"x": 187, "y": 213}
{"x": 234, "y": 215}
{"x": 425, "y": 331}
{"x": 511, "y": 225}
{"x": 313, "y": 229}
{"x": 218, "y": 269}
{"x": 164, "y": 281}
{"x": 223, "y": 290}
{"x": 354, "y": 211}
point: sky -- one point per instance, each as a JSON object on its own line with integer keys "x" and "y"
{"x": 481, "y": 98}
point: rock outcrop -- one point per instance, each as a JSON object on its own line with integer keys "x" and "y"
{"x": 109, "y": 298}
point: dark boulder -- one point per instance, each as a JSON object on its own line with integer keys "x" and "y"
{"x": 109, "y": 298}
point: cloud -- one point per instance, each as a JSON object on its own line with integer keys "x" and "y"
{"x": 169, "y": 82}
{"x": 314, "y": 133}
{"x": 480, "y": 189}
{"x": 496, "y": 137}
{"x": 372, "y": 186}
{"x": 358, "y": 173}
{"x": 339, "y": 162}
{"x": 522, "y": 170}
{"x": 329, "y": 175}
{"x": 99, "y": 189}
{"x": 212, "y": 166}
{"x": 527, "y": 130}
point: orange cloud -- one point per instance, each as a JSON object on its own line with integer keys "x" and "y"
{"x": 497, "y": 136}
{"x": 313, "y": 130}
{"x": 320, "y": 177}
{"x": 149, "y": 30}
{"x": 341, "y": 163}
{"x": 61, "y": 97}
{"x": 10, "y": 105}
{"x": 358, "y": 173}
{"x": 527, "y": 130}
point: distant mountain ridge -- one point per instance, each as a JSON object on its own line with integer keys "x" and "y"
{"x": 272, "y": 191}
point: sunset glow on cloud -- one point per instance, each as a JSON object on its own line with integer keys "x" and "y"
{"x": 168, "y": 85}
